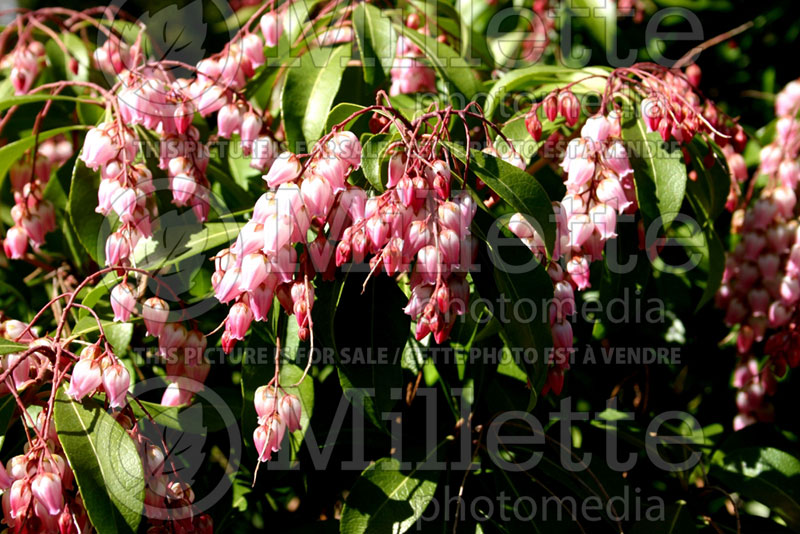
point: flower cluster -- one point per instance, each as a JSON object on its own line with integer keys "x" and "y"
{"x": 33, "y": 215}
{"x": 417, "y": 220}
{"x": 261, "y": 264}
{"x": 277, "y": 412}
{"x": 39, "y": 493}
{"x": 409, "y": 73}
{"x": 24, "y": 63}
{"x": 599, "y": 182}
{"x": 99, "y": 370}
{"x": 761, "y": 282}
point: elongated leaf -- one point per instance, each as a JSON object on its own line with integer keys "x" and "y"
{"x": 7, "y": 406}
{"x": 506, "y": 274}
{"x": 118, "y": 334}
{"x": 600, "y": 18}
{"x": 308, "y": 94}
{"x": 106, "y": 464}
{"x": 767, "y": 475}
{"x": 88, "y": 225}
{"x": 531, "y": 77}
{"x": 521, "y": 190}
{"x": 447, "y": 62}
{"x": 372, "y": 156}
{"x": 658, "y": 171}
{"x": 377, "y": 41}
{"x": 8, "y": 347}
{"x": 14, "y": 151}
{"x": 382, "y": 334}
{"x": 19, "y": 100}
{"x": 340, "y": 113}
{"x": 386, "y": 499}
{"x": 185, "y": 243}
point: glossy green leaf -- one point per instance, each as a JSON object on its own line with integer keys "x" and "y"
{"x": 382, "y": 332}
{"x": 309, "y": 92}
{"x": 448, "y": 63}
{"x": 516, "y": 187}
{"x": 8, "y": 347}
{"x": 387, "y": 499}
{"x": 340, "y": 113}
{"x": 89, "y": 226}
{"x": 119, "y": 335}
{"x": 106, "y": 464}
{"x": 372, "y": 157}
{"x": 12, "y": 152}
{"x": 767, "y": 475}
{"x": 530, "y": 78}
{"x": 377, "y": 41}
{"x": 600, "y": 18}
{"x": 658, "y": 171}
{"x": 8, "y": 405}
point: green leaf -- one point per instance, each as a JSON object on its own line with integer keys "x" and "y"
{"x": 106, "y": 464}
{"x": 658, "y": 171}
{"x": 518, "y": 188}
{"x": 88, "y": 224}
{"x": 448, "y": 63}
{"x": 119, "y": 335}
{"x": 501, "y": 278}
{"x": 200, "y": 417}
{"x": 530, "y": 77}
{"x": 377, "y": 40}
{"x": 767, "y": 475}
{"x": 600, "y": 18}
{"x": 9, "y": 347}
{"x": 340, "y": 113}
{"x": 19, "y": 100}
{"x": 372, "y": 156}
{"x": 185, "y": 245}
{"x": 383, "y": 330}
{"x": 7, "y": 407}
{"x": 309, "y": 92}
{"x": 387, "y": 499}
{"x": 12, "y": 152}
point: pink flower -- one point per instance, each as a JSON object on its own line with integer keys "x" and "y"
{"x": 155, "y": 313}
{"x": 346, "y": 146}
{"x": 317, "y": 196}
{"x": 604, "y": 218}
{"x": 172, "y": 337}
{"x": 596, "y": 128}
{"x": 562, "y": 335}
{"x": 86, "y": 377}
{"x": 253, "y": 49}
{"x": 177, "y": 393}
{"x": 229, "y": 120}
{"x": 98, "y": 148}
{"x": 254, "y": 271}
{"x": 116, "y": 381}
{"x": 271, "y": 28}
{"x": 578, "y": 269}
{"x": 16, "y": 243}
{"x": 19, "y": 497}
{"x": 265, "y": 401}
{"x": 290, "y": 410}
{"x": 117, "y": 249}
{"x": 46, "y": 487}
{"x": 250, "y": 129}
{"x": 610, "y": 192}
{"x": 263, "y": 152}
{"x": 286, "y": 168}
{"x": 261, "y": 298}
{"x": 123, "y": 302}
{"x": 238, "y": 321}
